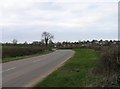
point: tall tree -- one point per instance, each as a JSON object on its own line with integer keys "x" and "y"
{"x": 47, "y": 37}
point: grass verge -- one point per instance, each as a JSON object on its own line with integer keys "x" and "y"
{"x": 77, "y": 72}
{"x": 22, "y": 57}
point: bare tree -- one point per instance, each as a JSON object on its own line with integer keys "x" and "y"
{"x": 47, "y": 37}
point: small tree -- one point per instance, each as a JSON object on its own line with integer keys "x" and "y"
{"x": 47, "y": 37}
{"x": 14, "y": 41}
{"x": 42, "y": 42}
{"x": 25, "y": 43}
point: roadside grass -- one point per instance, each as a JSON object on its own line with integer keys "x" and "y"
{"x": 23, "y": 57}
{"x": 77, "y": 72}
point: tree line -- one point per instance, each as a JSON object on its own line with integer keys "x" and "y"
{"x": 48, "y": 37}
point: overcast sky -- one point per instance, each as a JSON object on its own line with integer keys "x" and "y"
{"x": 67, "y": 20}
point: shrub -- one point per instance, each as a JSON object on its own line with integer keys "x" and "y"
{"x": 109, "y": 63}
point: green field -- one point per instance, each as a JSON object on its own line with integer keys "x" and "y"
{"x": 77, "y": 72}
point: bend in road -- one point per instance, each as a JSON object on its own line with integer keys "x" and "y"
{"x": 27, "y": 72}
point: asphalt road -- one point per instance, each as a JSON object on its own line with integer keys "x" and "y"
{"x": 28, "y": 72}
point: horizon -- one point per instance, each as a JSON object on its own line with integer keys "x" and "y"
{"x": 60, "y": 41}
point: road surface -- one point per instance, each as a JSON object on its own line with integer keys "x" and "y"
{"x": 28, "y": 72}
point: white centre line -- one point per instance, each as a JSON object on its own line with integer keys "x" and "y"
{"x": 37, "y": 61}
{"x": 9, "y": 69}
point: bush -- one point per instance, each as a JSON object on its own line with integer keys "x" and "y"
{"x": 109, "y": 63}
{"x": 95, "y": 47}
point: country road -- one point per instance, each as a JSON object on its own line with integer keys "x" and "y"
{"x": 29, "y": 71}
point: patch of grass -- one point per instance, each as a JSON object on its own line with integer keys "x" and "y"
{"x": 22, "y": 57}
{"x": 77, "y": 72}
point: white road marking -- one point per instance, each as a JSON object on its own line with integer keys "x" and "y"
{"x": 9, "y": 69}
{"x": 37, "y": 60}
